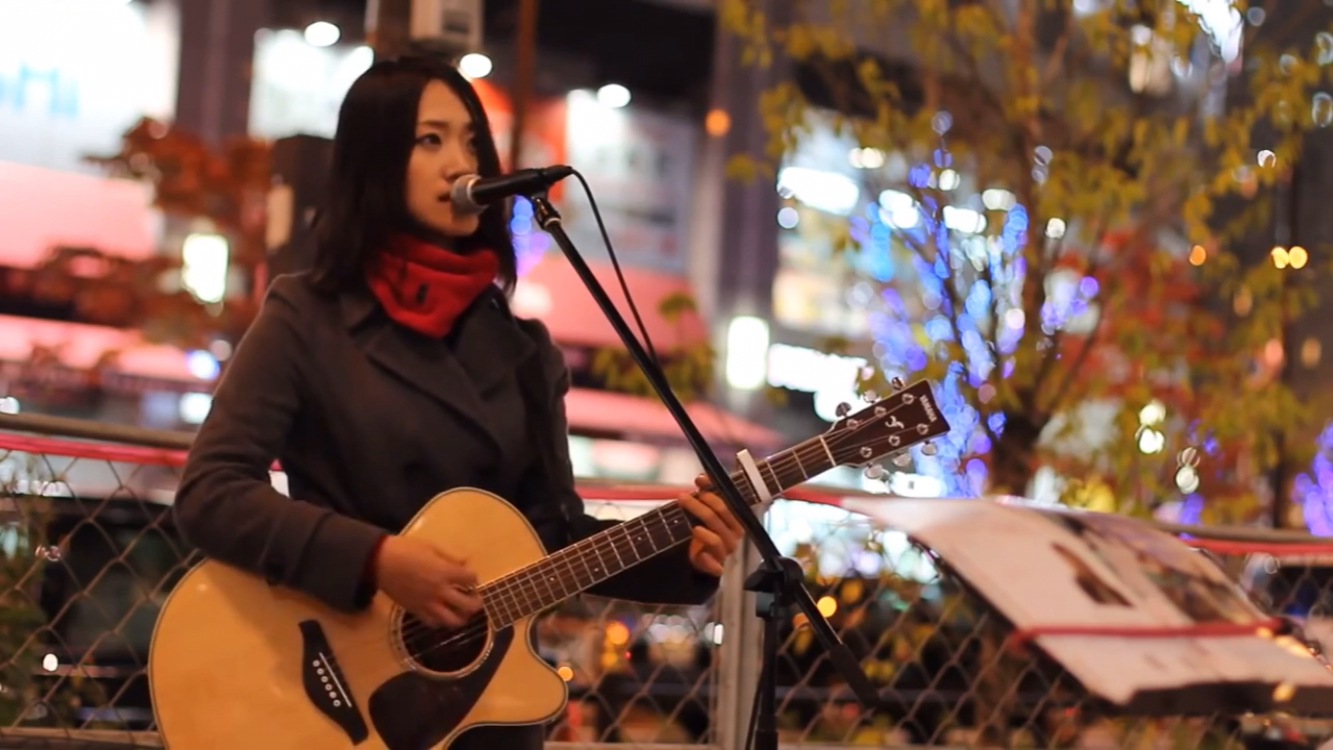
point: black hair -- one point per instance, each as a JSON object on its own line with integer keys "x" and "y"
{"x": 368, "y": 168}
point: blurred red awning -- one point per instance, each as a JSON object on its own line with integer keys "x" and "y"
{"x": 553, "y": 292}
{"x": 79, "y": 346}
{"x": 43, "y": 208}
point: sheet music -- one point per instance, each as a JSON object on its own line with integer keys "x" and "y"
{"x": 1044, "y": 570}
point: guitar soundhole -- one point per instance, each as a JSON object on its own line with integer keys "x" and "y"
{"x": 444, "y": 651}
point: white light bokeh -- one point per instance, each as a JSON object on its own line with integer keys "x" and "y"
{"x": 322, "y": 34}
{"x": 475, "y": 65}
{"x": 613, "y": 95}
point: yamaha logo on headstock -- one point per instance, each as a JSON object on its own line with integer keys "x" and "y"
{"x": 930, "y": 409}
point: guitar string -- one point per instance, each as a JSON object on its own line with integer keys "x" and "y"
{"x": 478, "y": 628}
{"x": 510, "y": 585}
{"x": 618, "y": 540}
{"x": 509, "y": 589}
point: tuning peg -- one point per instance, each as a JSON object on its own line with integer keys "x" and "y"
{"x": 897, "y": 384}
{"x": 870, "y": 397}
{"x": 903, "y": 459}
{"x": 843, "y": 409}
{"x": 928, "y": 449}
{"x": 875, "y": 471}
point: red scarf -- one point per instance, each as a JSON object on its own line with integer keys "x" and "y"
{"x": 424, "y": 286}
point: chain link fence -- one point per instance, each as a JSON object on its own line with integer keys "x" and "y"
{"x": 88, "y": 554}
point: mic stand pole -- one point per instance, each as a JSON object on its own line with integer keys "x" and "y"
{"x": 777, "y": 582}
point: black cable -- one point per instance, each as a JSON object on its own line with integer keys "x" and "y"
{"x": 615, "y": 263}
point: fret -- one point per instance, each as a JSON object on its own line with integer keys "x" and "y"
{"x": 659, "y": 533}
{"x": 588, "y": 577}
{"x": 679, "y": 525}
{"x": 569, "y": 578}
{"x": 492, "y": 607}
{"x": 742, "y": 482}
{"x": 796, "y": 456}
{"x": 532, "y": 578}
{"x": 600, "y": 568}
{"x": 777, "y": 485}
{"x": 556, "y": 580}
{"x": 498, "y": 594}
{"x": 633, "y": 543}
{"x": 824, "y": 445}
{"x": 494, "y": 601}
{"x": 509, "y": 603}
{"x": 539, "y": 573}
{"x": 646, "y": 535}
{"x": 615, "y": 548}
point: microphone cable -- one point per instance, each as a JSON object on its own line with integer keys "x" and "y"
{"x": 615, "y": 264}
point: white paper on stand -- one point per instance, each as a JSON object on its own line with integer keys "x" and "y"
{"x": 1116, "y": 576}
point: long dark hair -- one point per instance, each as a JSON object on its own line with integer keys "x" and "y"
{"x": 365, "y": 203}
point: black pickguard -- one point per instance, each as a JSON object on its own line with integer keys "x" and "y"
{"x": 415, "y": 712}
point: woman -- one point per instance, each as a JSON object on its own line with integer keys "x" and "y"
{"x": 393, "y": 371}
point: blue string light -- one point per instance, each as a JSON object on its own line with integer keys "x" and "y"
{"x": 529, "y": 245}
{"x": 1314, "y": 491}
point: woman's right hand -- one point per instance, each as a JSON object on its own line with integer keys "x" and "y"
{"x": 436, "y": 587}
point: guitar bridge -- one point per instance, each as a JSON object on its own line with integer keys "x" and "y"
{"x": 325, "y": 685}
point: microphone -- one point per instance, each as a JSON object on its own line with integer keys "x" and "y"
{"x": 471, "y": 193}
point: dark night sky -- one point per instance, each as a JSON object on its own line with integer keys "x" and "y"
{"x": 650, "y": 46}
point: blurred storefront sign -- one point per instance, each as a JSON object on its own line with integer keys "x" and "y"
{"x": 544, "y": 139}
{"x": 823, "y": 186}
{"x": 640, "y": 165}
{"x": 297, "y": 87}
{"x": 832, "y": 378}
{"x": 75, "y": 74}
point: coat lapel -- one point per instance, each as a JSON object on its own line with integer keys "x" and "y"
{"x": 486, "y": 352}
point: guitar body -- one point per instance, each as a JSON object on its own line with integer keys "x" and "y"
{"x": 238, "y": 663}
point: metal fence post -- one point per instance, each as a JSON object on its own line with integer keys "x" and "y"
{"x": 739, "y": 667}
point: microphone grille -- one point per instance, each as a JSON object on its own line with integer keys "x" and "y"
{"x": 461, "y": 195}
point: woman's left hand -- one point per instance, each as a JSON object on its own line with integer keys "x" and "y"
{"x": 720, "y": 533}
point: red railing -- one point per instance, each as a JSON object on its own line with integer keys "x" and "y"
{"x": 88, "y": 552}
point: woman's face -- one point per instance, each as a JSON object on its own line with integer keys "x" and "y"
{"x": 443, "y": 152}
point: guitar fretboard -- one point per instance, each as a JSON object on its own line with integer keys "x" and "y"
{"x": 587, "y": 563}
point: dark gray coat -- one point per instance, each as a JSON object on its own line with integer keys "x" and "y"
{"x": 370, "y": 420}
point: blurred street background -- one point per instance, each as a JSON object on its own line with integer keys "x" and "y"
{"x": 1100, "y": 228}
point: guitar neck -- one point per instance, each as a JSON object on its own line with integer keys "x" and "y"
{"x": 587, "y": 563}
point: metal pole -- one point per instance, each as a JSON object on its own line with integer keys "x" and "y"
{"x": 738, "y": 657}
{"x": 389, "y": 27}
{"x": 1288, "y": 236}
{"x": 525, "y": 61}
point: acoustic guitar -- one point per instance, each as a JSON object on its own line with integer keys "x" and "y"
{"x": 237, "y": 663}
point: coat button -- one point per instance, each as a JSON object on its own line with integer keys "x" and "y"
{"x": 273, "y": 572}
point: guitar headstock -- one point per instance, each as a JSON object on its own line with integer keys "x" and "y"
{"x": 889, "y": 425}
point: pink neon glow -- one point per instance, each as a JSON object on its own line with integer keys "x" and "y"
{"x": 81, "y": 345}
{"x": 41, "y": 208}
{"x": 575, "y": 318}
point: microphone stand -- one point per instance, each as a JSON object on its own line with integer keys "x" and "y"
{"x": 777, "y": 582}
